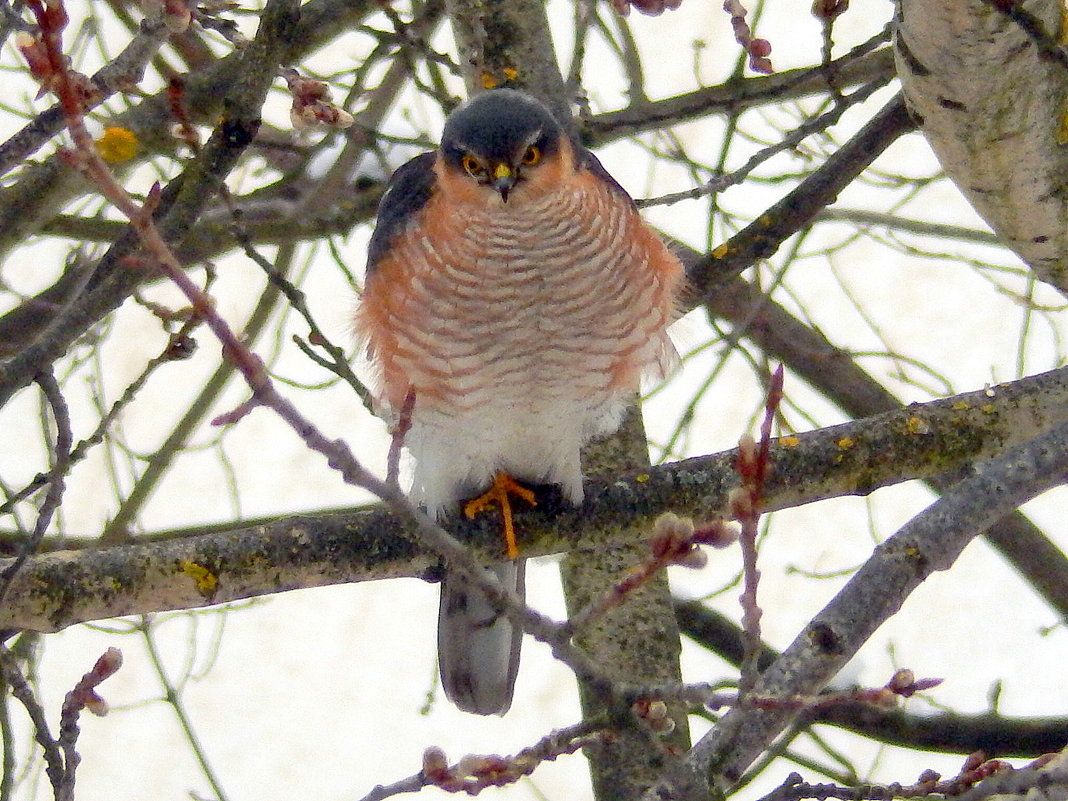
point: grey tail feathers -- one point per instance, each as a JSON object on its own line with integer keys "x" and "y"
{"x": 478, "y": 648}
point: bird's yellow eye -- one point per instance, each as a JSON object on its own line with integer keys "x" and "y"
{"x": 532, "y": 156}
{"x": 472, "y": 166}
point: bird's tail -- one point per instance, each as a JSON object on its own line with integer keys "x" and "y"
{"x": 478, "y": 648}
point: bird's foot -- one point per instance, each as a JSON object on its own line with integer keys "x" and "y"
{"x": 503, "y": 486}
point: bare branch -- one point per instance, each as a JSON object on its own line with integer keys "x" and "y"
{"x": 929, "y": 542}
{"x": 798, "y": 208}
{"x": 56, "y": 478}
{"x": 57, "y": 589}
{"x": 951, "y": 732}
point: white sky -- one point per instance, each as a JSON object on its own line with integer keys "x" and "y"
{"x": 317, "y": 694}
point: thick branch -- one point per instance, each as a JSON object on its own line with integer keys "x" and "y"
{"x": 841, "y": 380}
{"x": 734, "y": 97}
{"x": 57, "y": 589}
{"x": 991, "y": 733}
{"x": 798, "y": 208}
{"x": 931, "y": 541}
{"x": 990, "y": 100}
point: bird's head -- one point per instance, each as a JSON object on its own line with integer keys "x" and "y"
{"x": 501, "y": 141}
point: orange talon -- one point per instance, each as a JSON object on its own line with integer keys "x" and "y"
{"x": 503, "y": 486}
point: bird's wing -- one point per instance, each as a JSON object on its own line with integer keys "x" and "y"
{"x": 585, "y": 160}
{"x": 409, "y": 189}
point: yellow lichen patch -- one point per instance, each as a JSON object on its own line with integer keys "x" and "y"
{"x": 789, "y": 441}
{"x": 988, "y": 408}
{"x": 721, "y": 251}
{"x": 207, "y": 581}
{"x": 490, "y": 80}
{"x": 117, "y": 144}
{"x": 961, "y": 406}
{"x": 1062, "y": 128}
{"x": 917, "y": 425}
{"x": 642, "y": 478}
{"x": 845, "y": 443}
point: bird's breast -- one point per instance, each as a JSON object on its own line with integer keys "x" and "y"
{"x": 524, "y": 304}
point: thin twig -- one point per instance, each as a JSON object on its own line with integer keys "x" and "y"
{"x": 56, "y": 478}
{"x": 61, "y": 759}
{"x": 21, "y": 690}
{"x": 675, "y": 541}
{"x": 788, "y": 142}
{"x": 83, "y": 696}
{"x": 338, "y": 362}
{"x": 177, "y": 348}
{"x": 171, "y": 696}
{"x": 396, "y": 441}
{"x": 747, "y": 501}
{"x": 472, "y": 774}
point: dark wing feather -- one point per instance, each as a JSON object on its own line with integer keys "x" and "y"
{"x": 585, "y": 160}
{"x": 408, "y": 191}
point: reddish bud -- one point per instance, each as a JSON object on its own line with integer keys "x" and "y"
{"x": 108, "y": 663}
{"x": 829, "y": 9}
{"x": 716, "y": 533}
{"x": 905, "y": 683}
{"x": 435, "y": 764}
{"x": 974, "y": 760}
{"x": 312, "y": 104}
{"x": 760, "y": 48}
{"x": 655, "y": 714}
{"x": 97, "y": 705}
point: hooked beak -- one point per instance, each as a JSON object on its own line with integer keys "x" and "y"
{"x": 504, "y": 179}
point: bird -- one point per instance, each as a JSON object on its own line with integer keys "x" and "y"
{"x": 516, "y": 295}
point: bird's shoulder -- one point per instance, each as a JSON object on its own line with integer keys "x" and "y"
{"x": 585, "y": 161}
{"x": 407, "y": 193}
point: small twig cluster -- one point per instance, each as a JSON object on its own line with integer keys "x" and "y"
{"x": 812, "y": 126}
{"x": 675, "y": 541}
{"x": 474, "y": 773}
{"x": 56, "y": 477}
{"x": 312, "y": 104}
{"x": 758, "y": 49}
{"x": 44, "y": 53}
{"x": 754, "y": 462}
{"x": 976, "y": 768}
{"x": 61, "y": 756}
{"x": 903, "y": 684}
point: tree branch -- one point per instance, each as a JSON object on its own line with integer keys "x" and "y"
{"x": 930, "y": 541}
{"x": 114, "y": 279}
{"x": 58, "y": 589}
{"x": 991, "y": 733}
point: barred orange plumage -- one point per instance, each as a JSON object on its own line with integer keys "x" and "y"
{"x": 520, "y": 302}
